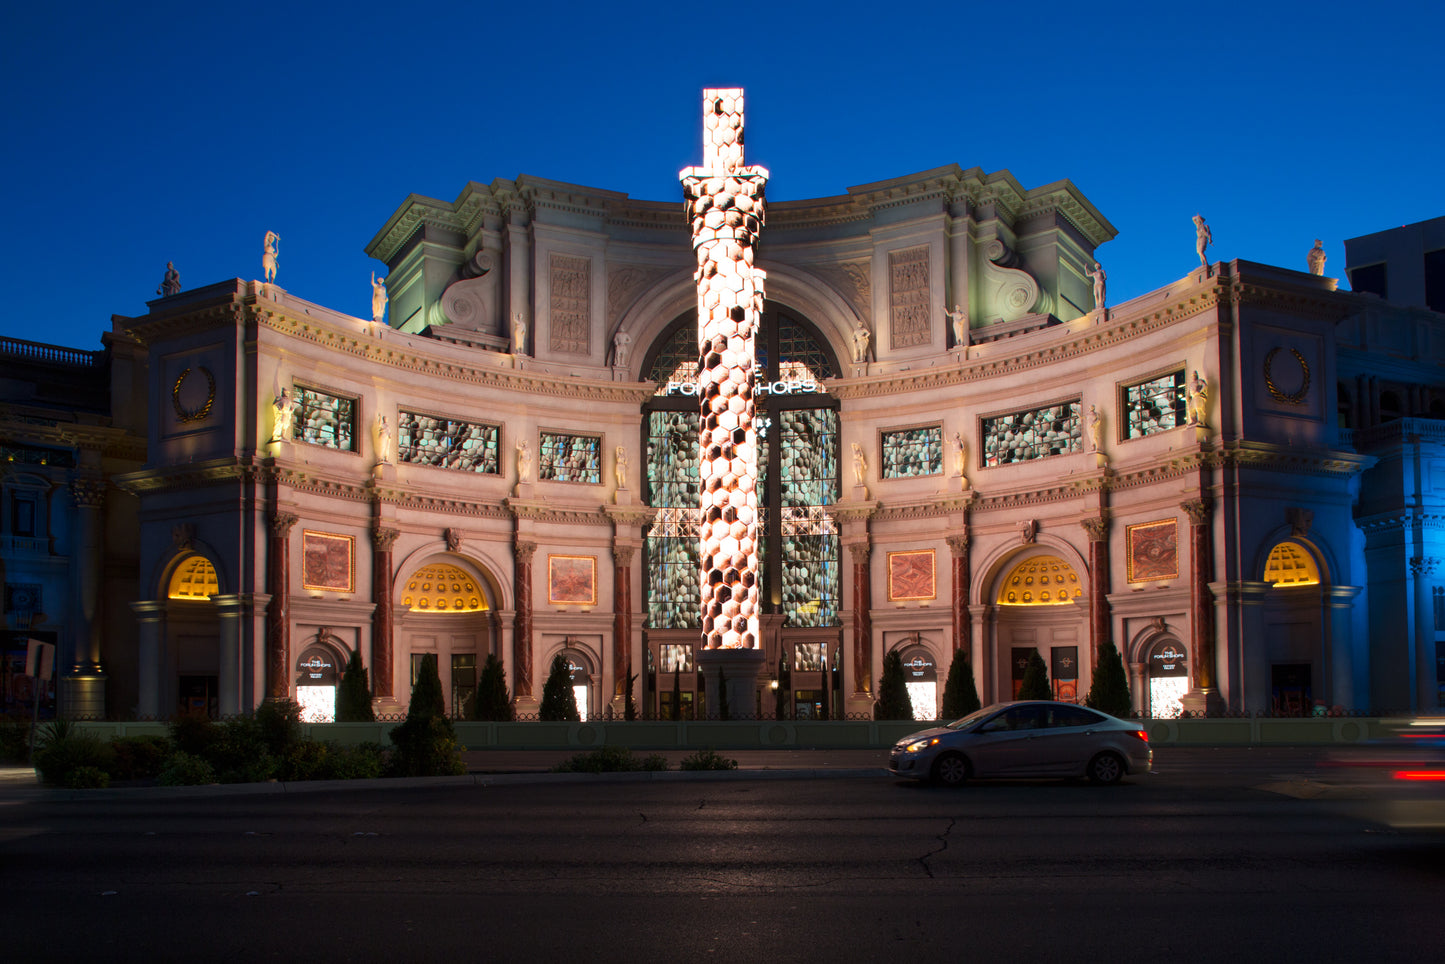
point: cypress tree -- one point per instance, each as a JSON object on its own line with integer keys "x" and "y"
{"x": 785, "y": 686}
{"x": 893, "y": 702}
{"x": 960, "y": 695}
{"x": 1109, "y": 691}
{"x": 1035, "y": 685}
{"x": 492, "y": 701}
{"x": 426, "y": 744}
{"x": 353, "y": 700}
{"x": 559, "y": 703}
{"x": 677, "y": 691}
{"x": 722, "y": 695}
{"x": 629, "y": 706}
{"x": 426, "y": 693}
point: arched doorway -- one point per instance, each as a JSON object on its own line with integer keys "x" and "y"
{"x": 920, "y": 677}
{"x": 318, "y": 674}
{"x": 1168, "y": 677}
{"x": 1292, "y": 643}
{"x": 445, "y": 608}
{"x": 580, "y": 668}
{"x": 193, "y": 630}
{"x": 1040, "y": 605}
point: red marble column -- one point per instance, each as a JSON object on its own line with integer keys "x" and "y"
{"x": 522, "y": 627}
{"x": 1099, "y": 583}
{"x": 621, "y": 616}
{"x": 381, "y": 587}
{"x": 958, "y": 548}
{"x": 862, "y": 618}
{"x": 278, "y": 616}
{"x": 1201, "y": 603}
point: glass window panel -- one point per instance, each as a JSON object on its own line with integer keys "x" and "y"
{"x": 1033, "y": 434}
{"x": 328, "y": 420}
{"x": 912, "y": 452}
{"x": 447, "y": 443}
{"x": 1156, "y": 405}
{"x": 570, "y": 458}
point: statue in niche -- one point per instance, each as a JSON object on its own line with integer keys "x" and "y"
{"x": 1198, "y": 400}
{"x": 269, "y": 256}
{"x": 519, "y": 333}
{"x": 861, "y": 337}
{"x": 959, "y": 317}
{"x": 284, "y": 410}
{"x": 1203, "y": 238}
{"x": 1099, "y": 278}
{"x": 860, "y": 464}
{"x": 385, "y": 444}
{"x": 1316, "y": 258}
{"x": 171, "y": 283}
{"x": 621, "y": 342}
{"x": 619, "y": 469}
{"x": 960, "y": 455}
{"x": 378, "y": 298}
{"x": 524, "y": 461}
{"x": 1094, "y": 425}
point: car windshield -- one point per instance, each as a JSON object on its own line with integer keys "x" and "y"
{"x": 972, "y": 718}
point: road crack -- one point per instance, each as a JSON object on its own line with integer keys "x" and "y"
{"x": 942, "y": 846}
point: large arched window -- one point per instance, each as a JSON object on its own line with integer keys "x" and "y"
{"x": 797, "y": 426}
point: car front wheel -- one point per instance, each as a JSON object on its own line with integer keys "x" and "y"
{"x": 1106, "y": 769}
{"x": 950, "y": 770}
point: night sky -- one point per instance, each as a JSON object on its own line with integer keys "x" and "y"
{"x": 145, "y": 133}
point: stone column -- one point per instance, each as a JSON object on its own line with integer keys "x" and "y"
{"x": 1204, "y": 695}
{"x": 1425, "y": 696}
{"x": 522, "y": 633}
{"x": 621, "y": 618}
{"x": 82, "y": 686}
{"x": 228, "y": 678}
{"x": 382, "y": 539}
{"x": 958, "y": 548}
{"x": 151, "y": 614}
{"x": 862, "y": 617}
{"x": 1099, "y": 616}
{"x": 278, "y": 610}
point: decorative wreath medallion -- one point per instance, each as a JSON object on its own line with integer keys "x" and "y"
{"x": 1289, "y": 398}
{"x": 195, "y": 414}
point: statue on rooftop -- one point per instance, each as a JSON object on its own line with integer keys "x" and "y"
{"x": 1100, "y": 298}
{"x": 269, "y": 256}
{"x": 1203, "y": 238}
{"x": 171, "y": 283}
{"x": 1316, "y": 258}
{"x": 378, "y": 298}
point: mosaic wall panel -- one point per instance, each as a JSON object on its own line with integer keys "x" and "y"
{"x": 811, "y": 578}
{"x": 908, "y": 297}
{"x": 1156, "y": 405}
{"x": 673, "y": 589}
{"x": 800, "y": 356}
{"x": 1035, "y": 434}
{"x": 328, "y": 420}
{"x": 912, "y": 452}
{"x": 570, "y": 458}
{"x": 571, "y": 304}
{"x": 447, "y": 443}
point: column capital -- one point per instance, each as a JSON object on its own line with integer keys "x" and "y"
{"x": 524, "y": 551}
{"x": 957, "y": 544}
{"x": 282, "y": 522}
{"x": 88, "y": 492}
{"x": 1097, "y": 527}
{"x": 622, "y": 555}
{"x": 383, "y": 538}
{"x": 1423, "y": 565}
{"x": 861, "y": 551}
{"x": 1198, "y": 510}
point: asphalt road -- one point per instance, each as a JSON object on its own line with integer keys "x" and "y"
{"x": 1217, "y": 856}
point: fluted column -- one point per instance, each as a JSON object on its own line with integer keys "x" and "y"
{"x": 151, "y": 615}
{"x": 958, "y": 549}
{"x": 621, "y": 616}
{"x": 862, "y": 617}
{"x": 278, "y": 610}
{"x": 522, "y": 635}
{"x": 82, "y": 687}
{"x": 1099, "y": 582}
{"x": 382, "y": 540}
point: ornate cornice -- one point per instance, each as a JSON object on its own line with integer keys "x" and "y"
{"x": 540, "y": 510}
{"x": 187, "y": 476}
{"x": 852, "y": 511}
{"x": 109, "y": 441}
{"x": 625, "y": 515}
{"x": 1284, "y": 458}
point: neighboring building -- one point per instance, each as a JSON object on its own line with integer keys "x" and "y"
{"x": 1234, "y": 477}
{"x": 1405, "y": 265}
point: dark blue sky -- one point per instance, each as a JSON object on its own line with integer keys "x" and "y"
{"x": 184, "y": 131}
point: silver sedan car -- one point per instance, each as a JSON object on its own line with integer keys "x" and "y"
{"x": 1025, "y": 739}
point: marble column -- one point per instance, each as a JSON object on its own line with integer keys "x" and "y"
{"x": 621, "y": 617}
{"x": 228, "y": 675}
{"x": 382, "y": 539}
{"x": 1099, "y": 583}
{"x": 82, "y": 685}
{"x": 522, "y": 633}
{"x": 278, "y": 610}
{"x": 150, "y": 649}
{"x": 1204, "y": 694}
{"x": 958, "y": 549}
{"x": 862, "y": 617}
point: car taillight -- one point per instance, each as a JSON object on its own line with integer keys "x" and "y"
{"x": 1420, "y": 774}
{"x": 1142, "y": 734}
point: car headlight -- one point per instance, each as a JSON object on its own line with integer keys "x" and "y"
{"x": 918, "y": 745}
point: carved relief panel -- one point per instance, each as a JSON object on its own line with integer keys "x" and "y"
{"x": 908, "y": 297}
{"x": 571, "y": 304}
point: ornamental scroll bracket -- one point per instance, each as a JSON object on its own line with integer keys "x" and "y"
{"x": 1008, "y": 294}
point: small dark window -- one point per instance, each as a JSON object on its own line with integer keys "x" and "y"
{"x": 1435, "y": 280}
{"x": 1370, "y": 278}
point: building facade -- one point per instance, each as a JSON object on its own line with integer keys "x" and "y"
{"x": 1235, "y": 478}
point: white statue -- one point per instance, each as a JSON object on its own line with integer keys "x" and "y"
{"x": 619, "y": 470}
{"x": 959, "y": 317}
{"x": 1094, "y": 425}
{"x": 960, "y": 457}
{"x": 378, "y": 298}
{"x": 1203, "y": 238}
{"x": 519, "y": 333}
{"x": 621, "y": 342}
{"x": 284, "y": 410}
{"x": 861, "y": 337}
{"x": 1316, "y": 258}
{"x": 385, "y": 444}
{"x": 269, "y": 256}
{"x": 860, "y": 464}
{"x": 171, "y": 283}
{"x": 1099, "y": 278}
{"x": 524, "y": 461}
{"x": 1198, "y": 402}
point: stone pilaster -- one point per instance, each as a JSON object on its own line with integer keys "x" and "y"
{"x": 958, "y": 550}
{"x": 522, "y": 621}
{"x": 862, "y": 617}
{"x": 1099, "y": 583}
{"x": 82, "y": 685}
{"x": 382, "y": 540}
{"x": 278, "y": 610}
{"x": 1204, "y": 694}
{"x": 621, "y": 617}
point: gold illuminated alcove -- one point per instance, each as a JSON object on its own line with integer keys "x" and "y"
{"x": 443, "y": 588}
{"x": 194, "y": 578}
{"x": 1290, "y": 564}
{"x": 1040, "y": 581}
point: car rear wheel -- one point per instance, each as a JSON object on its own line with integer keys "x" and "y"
{"x": 1106, "y": 769}
{"x": 951, "y": 770}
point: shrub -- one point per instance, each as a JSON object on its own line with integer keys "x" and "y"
{"x": 654, "y": 762}
{"x": 707, "y": 760}
{"x": 559, "y": 703}
{"x": 1109, "y": 691}
{"x": 193, "y": 733}
{"x": 893, "y": 702}
{"x": 87, "y": 778}
{"x": 629, "y": 705}
{"x": 186, "y": 770}
{"x": 492, "y": 701}
{"x": 426, "y": 744}
{"x": 14, "y": 739}
{"x": 139, "y": 757}
{"x": 240, "y": 752}
{"x": 960, "y": 695}
{"x": 64, "y": 749}
{"x": 607, "y": 759}
{"x": 353, "y": 698}
{"x": 360, "y": 761}
{"x": 279, "y": 722}
{"x": 1035, "y": 684}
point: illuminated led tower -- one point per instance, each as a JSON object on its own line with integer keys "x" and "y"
{"x": 725, "y": 205}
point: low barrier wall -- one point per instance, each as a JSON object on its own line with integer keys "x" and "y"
{"x": 813, "y": 734}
